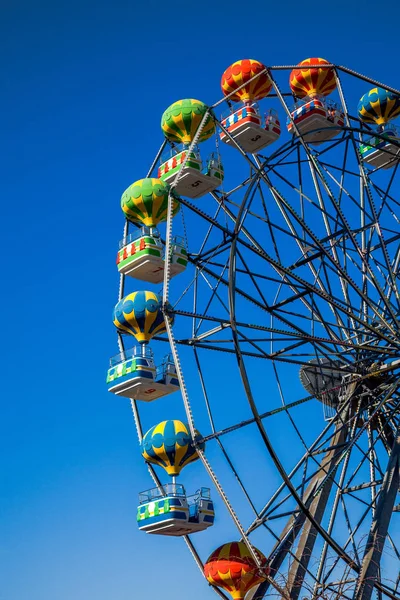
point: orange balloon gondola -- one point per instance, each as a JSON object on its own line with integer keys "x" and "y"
{"x": 239, "y": 73}
{"x": 233, "y": 568}
{"x": 312, "y": 81}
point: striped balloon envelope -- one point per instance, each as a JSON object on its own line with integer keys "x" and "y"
{"x": 240, "y": 73}
{"x": 146, "y": 202}
{"x": 169, "y": 445}
{"x": 378, "y": 106}
{"x": 232, "y": 568}
{"x": 181, "y": 121}
{"x": 312, "y": 81}
{"x": 140, "y": 315}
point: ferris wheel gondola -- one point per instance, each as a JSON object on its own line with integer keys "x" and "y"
{"x": 379, "y": 107}
{"x": 180, "y": 124}
{"x": 314, "y": 117}
{"x": 167, "y": 509}
{"x": 133, "y": 373}
{"x": 244, "y": 122}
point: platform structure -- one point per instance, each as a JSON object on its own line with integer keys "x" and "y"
{"x": 133, "y": 374}
{"x": 141, "y": 255}
{"x": 249, "y": 129}
{"x": 167, "y": 510}
{"x": 195, "y": 180}
{"x": 317, "y": 119}
{"x": 380, "y": 152}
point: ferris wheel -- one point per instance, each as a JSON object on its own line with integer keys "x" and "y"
{"x": 259, "y": 277}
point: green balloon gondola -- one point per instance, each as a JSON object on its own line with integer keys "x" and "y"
{"x": 181, "y": 121}
{"x": 146, "y": 202}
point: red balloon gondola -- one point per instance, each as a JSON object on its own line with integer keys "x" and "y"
{"x": 312, "y": 81}
{"x": 233, "y": 568}
{"x": 240, "y": 73}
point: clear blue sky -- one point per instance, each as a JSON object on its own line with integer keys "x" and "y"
{"x": 83, "y": 88}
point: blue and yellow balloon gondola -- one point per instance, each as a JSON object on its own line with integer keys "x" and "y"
{"x": 140, "y": 314}
{"x": 166, "y": 509}
{"x": 378, "y": 106}
{"x": 170, "y": 446}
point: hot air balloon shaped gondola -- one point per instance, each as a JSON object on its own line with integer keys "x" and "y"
{"x": 141, "y": 254}
{"x": 379, "y": 107}
{"x": 233, "y": 568}
{"x": 167, "y": 510}
{"x": 246, "y": 125}
{"x": 133, "y": 373}
{"x": 316, "y": 118}
{"x": 180, "y": 123}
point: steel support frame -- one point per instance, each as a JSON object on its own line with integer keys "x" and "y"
{"x": 390, "y": 482}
